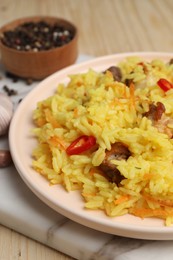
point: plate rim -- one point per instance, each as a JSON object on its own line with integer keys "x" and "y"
{"x": 166, "y": 233}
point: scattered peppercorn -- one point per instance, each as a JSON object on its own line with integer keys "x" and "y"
{"x": 28, "y": 81}
{"x": 37, "y": 36}
{"x": 20, "y": 100}
{"x": 9, "y": 92}
{"x": 16, "y": 78}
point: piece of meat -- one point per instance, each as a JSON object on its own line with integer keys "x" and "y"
{"x": 118, "y": 151}
{"x": 128, "y": 82}
{"x": 155, "y": 111}
{"x": 116, "y": 72}
{"x": 157, "y": 115}
{"x": 162, "y": 125}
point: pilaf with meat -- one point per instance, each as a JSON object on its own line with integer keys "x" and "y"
{"x": 109, "y": 134}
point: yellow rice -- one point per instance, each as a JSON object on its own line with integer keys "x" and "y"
{"x": 94, "y": 104}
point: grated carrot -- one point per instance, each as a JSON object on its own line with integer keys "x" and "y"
{"x": 49, "y": 118}
{"x": 75, "y": 112}
{"x": 40, "y": 122}
{"x": 56, "y": 141}
{"x": 79, "y": 83}
{"x": 122, "y": 199}
{"x": 92, "y": 171}
{"x": 148, "y": 176}
{"x": 146, "y": 212}
{"x": 115, "y": 102}
{"x": 132, "y": 94}
{"x": 160, "y": 201}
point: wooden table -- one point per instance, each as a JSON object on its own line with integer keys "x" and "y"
{"x": 105, "y": 27}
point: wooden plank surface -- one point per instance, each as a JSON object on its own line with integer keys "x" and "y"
{"x": 105, "y": 27}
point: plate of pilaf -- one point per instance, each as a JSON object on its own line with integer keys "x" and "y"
{"x": 94, "y": 142}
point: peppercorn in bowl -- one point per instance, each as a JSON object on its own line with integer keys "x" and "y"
{"x": 35, "y": 47}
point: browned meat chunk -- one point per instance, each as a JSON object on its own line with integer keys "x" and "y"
{"x": 155, "y": 111}
{"x": 118, "y": 152}
{"x": 116, "y": 72}
{"x": 157, "y": 115}
{"x": 128, "y": 82}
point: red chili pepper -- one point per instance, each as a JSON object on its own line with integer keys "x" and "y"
{"x": 81, "y": 144}
{"x": 164, "y": 84}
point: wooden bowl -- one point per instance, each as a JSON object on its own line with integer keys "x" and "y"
{"x": 38, "y": 65}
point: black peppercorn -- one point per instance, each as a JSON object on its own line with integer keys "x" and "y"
{"x": 37, "y": 36}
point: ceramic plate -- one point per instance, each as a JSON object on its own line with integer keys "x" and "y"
{"x": 71, "y": 204}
